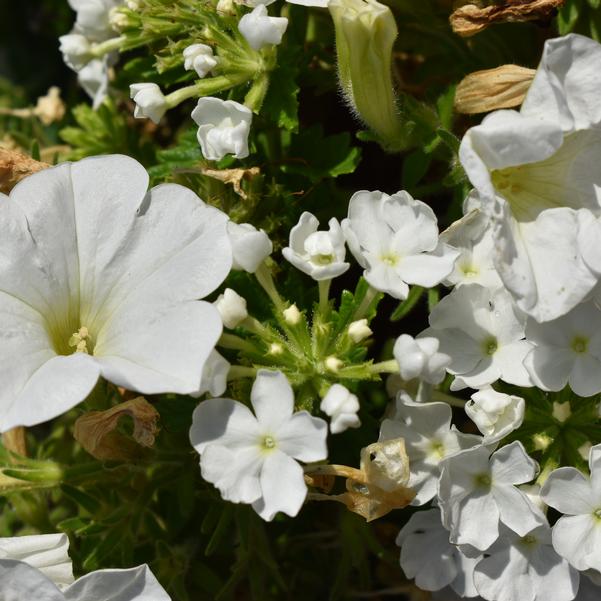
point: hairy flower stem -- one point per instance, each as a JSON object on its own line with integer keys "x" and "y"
{"x": 99, "y": 50}
{"x": 370, "y": 295}
{"x": 384, "y": 367}
{"x": 265, "y": 279}
{"x": 239, "y": 372}
{"x": 205, "y": 87}
{"x": 324, "y": 293}
{"x": 234, "y": 342}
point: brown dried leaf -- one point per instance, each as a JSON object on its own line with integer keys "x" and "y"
{"x": 492, "y": 89}
{"x": 470, "y": 19}
{"x": 96, "y": 431}
{"x": 371, "y": 502}
{"x": 233, "y": 176}
{"x": 14, "y": 166}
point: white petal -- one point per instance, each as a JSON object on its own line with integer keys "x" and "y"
{"x": 476, "y": 522}
{"x": 569, "y": 491}
{"x": 272, "y": 399}
{"x": 426, "y": 269}
{"x": 585, "y": 379}
{"x": 577, "y": 538}
{"x": 303, "y": 437}
{"x": 499, "y": 578}
{"x": 553, "y": 576}
{"x": 512, "y": 465}
{"x": 21, "y": 582}
{"x": 549, "y": 367}
{"x": 516, "y": 511}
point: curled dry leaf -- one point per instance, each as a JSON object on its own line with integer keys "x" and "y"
{"x": 492, "y": 89}
{"x": 14, "y": 166}
{"x": 97, "y": 433}
{"x": 470, "y": 19}
{"x": 233, "y": 177}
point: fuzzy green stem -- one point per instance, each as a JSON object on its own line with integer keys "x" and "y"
{"x": 324, "y": 294}
{"x": 367, "y": 300}
{"x": 205, "y": 87}
{"x": 231, "y": 341}
{"x": 439, "y": 395}
{"x": 238, "y": 372}
{"x": 385, "y": 367}
{"x": 265, "y": 279}
{"x": 99, "y": 50}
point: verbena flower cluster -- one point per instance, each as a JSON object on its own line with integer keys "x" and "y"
{"x": 246, "y": 357}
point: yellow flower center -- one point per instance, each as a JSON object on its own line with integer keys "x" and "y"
{"x": 81, "y": 341}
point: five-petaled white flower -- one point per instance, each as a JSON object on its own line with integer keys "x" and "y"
{"x": 200, "y": 58}
{"x": 259, "y": 29}
{"x": 150, "y": 101}
{"x": 419, "y": 358}
{"x": 251, "y": 458}
{"x": 341, "y": 405}
{"x": 99, "y": 277}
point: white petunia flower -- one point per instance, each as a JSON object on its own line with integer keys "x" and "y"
{"x": 567, "y": 350}
{"x": 429, "y": 557}
{"x": 150, "y": 101}
{"x": 472, "y": 237}
{"x": 99, "y": 277}
{"x": 342, "y": 407}
{"x": 395, "y": 238}
{"x": 20, "y": 581}
{"x": 429, "y": 438}
{"x": 318, "y": 254}
{"x": 477, "y": 492}
{"x": 214, "y": 375}
{"x": 261, "y": 30}
{"x": 250, "y": 246}
{"x": 199, "y": 57}
{"x": 577, "y": 535}
{"x": 49, "y": 553}
{"x": 231, "y": 307}
{"x": 482, "y": 331}
{"x": 251, "y": 458}
{"x": 223, "y": 127}
{"x": 519, "y": 568}
{"x": 496, "y": 414}
{"x": 536, "y": 173}
{"x": 419, "y": 358}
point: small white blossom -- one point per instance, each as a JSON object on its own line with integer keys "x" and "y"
{"x": 261, "y": 30}
{"x": 223, "y": 127}
{"x": 231, "y": 307}
{"x": 496, "y": 414}
{"x": 200, "y": 58}
{"x": 250, "y": 246}
{"x": 150, "y": 101}
{"x": 429, "y": 438}
{"x": 482, "y": 331}
{"x": 359, "y": 330}
{"x": 477, "y": 491}
{"x": 342, "y": 407}
{"x": 419, "y": 358}
{"x": 251, "y": 458}
{"x": 567, "y": 350}
{"x": 76, "y": 50}
{"x": 395, "y": 238}
{"x": 318, "y": 254}
{"x": 93, "y": 18}
{"x": 577, "y": 535}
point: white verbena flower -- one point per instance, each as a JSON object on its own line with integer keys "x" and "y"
{"x": 318, "y": 254}
{"x": 577, "y": 535}
{"x": 567, "y": 350}
{"x": 496, "y": 414}
{"x": 250, "y": 246}
{"x": 536, "y": 174}
{"x": 150, "y": 101}
{"x": 251, "y": 458}
{"x": 94, "y": 79}
{"x": 261, "y": 30}
{"x": 49, "y": 553}
{"x": 93, "y": 18}
{"x": 223, "y": 127}
{"x": 341, "y": 406}
{"x": 200, "y": 58}
{"x": 359, "y": 330}
{"x": 477, "y": 492}
{"x": 76, "y": 50}
{"x": 214, "y": 375}
{"x": 482, "y": 331}
{"x": 395, "y": 238}
{"x": 419, "y": 358}
{"x": 99, "y": 277}
{"x": 517, "y": 568}
{"x": 231, "y": 307}
{"x": 20, "y": 581}
{"x": 429, "y": 438}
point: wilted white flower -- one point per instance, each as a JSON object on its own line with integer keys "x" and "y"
{"x": 359, "y": 330}
{"x": 496, "y": 414}
{"x": 76, "y": 50}
{"x": 231, "y": 307}
{"x": 223, "y": 127}
{"x": 567, "y": 350}
{"x": 419, "y": 358}
{"x": 395, "y": 238}
{"x": 261, "y": 30}
{"x": 250, "y": 246}
{"x": 318, "y": 254}
{"x": 251, "y": 458}
{"x": 482, "y": 331}
{"x": 200, "y": 58}
{"x": 100, "y": 278}
{"x": 341, "y": 406}
{"x": 477, "y": 491}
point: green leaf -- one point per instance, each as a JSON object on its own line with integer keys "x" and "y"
{"x": 415, "y": 166}
{"x": 568, "y": 16}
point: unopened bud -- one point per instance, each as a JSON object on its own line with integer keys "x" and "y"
{"x": 275, "y": 348}
{"x": 562, "y": 411}
{"x": 333, "y": 363}
{"x": 359, "y": 330}
{"x": 492, "y": 89}
{"x": 117, "y": 19}
{"x": 292, "y": 315}
{"x": 231, "y": 307}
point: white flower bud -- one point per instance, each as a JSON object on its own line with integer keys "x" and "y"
{"x": 496, "y": 414}
{"x": 250, "y": 246}
{"x": 118, "y": 20}
{"x": 223, "y": 127}
{"x": 333, "y": 363}
{"x": 260, "y": 30}
{"x": 419, "y": 358}
{"x": 231, "y": 307}
{"x": 150, "y": 101}
{"x": 292, "y": 315}
{"x": 275, "y": 349}
{"x": 359, "y": 330}
{"x": 342, "y": 406}
{"x": 200, "y": 58}
{"x": 76, "y": 50}
{"x": 132, "y": 4}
